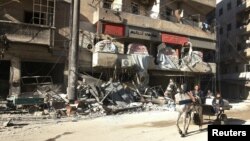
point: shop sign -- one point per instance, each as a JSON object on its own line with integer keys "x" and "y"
{"x": 114, "y": 29}
{"x": 173, "y": 39}
{"x": 143, "y": 34}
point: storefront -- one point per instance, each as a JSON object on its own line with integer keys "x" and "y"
{"x": 174, "y": 41}
{"x": 147, "y": 37}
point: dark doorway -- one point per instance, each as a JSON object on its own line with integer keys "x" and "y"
{"x": 4, "y": 79}
{"x": 43, "y": 71}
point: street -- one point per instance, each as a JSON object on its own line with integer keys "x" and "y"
{"x": 144, "y": 126}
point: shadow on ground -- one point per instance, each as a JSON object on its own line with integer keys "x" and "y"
{"x": 191, "y": 133}
{"x": 58, "y": 136}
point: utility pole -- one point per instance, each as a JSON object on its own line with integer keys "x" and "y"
{"x": 73, "y": 53}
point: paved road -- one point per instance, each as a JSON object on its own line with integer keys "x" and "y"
{"x": 149, "y": 126}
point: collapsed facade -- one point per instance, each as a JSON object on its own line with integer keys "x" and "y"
{"x": 34, "y": 43}
{"x": 159, "y": 37}
{"x": 233, "y": 41}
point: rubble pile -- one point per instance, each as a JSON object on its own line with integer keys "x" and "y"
{"x": 97, "y": 98}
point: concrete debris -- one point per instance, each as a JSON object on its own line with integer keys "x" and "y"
{"x": 97, "y": 98}
{"x": 7, "y": 123}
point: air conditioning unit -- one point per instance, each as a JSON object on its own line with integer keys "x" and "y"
{"x": 126, "y": 63}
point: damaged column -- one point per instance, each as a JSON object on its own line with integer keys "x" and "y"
{"x": 15, "y": 77}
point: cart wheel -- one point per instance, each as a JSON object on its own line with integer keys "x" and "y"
{"x": 223, "y": 119}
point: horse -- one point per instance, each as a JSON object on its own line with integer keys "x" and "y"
{"x": 171, "y": 90}
{"x": 186, "y": 108}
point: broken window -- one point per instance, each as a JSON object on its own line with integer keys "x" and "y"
{"x": 135, "y": 8}
{"x": 168, "y": 13}
{"x": 33, "y": 18}
{"x": 107, "y": 4}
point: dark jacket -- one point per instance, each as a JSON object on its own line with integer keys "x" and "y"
{"x": 220, "y": 102}
{"x": 200, "y": 94}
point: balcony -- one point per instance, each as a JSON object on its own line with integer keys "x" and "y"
{"x": 247, "y": 52}
{"x": 113, "y": 16}
{"x": 246, "y": 29}
{"x": 203, "y": 6}
{"x": 27, "y": 33}
{"x": 244, "y": 6}
{"x": 111, "y": 60}
{"x": 211, "y": 3}
{"x": 236, "y": 76}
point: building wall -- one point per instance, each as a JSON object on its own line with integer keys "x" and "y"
{"x": 93, "y": 16}
{"x": 62, "y": 23}
{"x": 20, "y": 49}
{"x": 232, "y": 62}
{"x": 14, "y": 11}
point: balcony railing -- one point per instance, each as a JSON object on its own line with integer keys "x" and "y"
{"x": 247, "y": 52}
{"x": 27, "y": 33}
{"x": 211, "y": 3}
{"x": 236, "y": 76}
{"x": 158, "y": 15}
{"x": 243, "y": 6}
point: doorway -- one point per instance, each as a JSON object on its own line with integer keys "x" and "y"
{"x": 4, "y": 79}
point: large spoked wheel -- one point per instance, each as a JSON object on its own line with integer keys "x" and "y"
{"x": 223, "y": 119}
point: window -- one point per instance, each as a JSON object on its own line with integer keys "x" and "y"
{"x": 229, "y": 27}
{"x": 107, "y": 4}
{"x": 168, "y": 13}
{"x": 229, "y": 49}
{"x": 28, "y": 18}
{"x": 239, "y": 47}
{"x": 247, "y": 68}
{"x": 43, "y": 12}
{"x": 135, "y": 8}
{"x": 229, "y": 6}
{"x": 238, "y": 24}
{"x": 236, "y": 69}
{"x": 224, "y": 70}
{"x": 221, "y": 30}
{"x": 220, "y": 11}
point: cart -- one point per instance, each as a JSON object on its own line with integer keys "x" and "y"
{"x": 208, "y": 110}
{"x": 29, "y": 100}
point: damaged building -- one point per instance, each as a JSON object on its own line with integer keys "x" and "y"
{"x": 149, "y": 41}
{"x": 143, "y": 42}
{"x": 34, "y": 37}
{"x": 233, "y": 37}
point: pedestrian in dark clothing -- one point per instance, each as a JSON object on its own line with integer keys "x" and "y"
{"x": 217, "y": 104}
{"x": 198, "y": 93}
